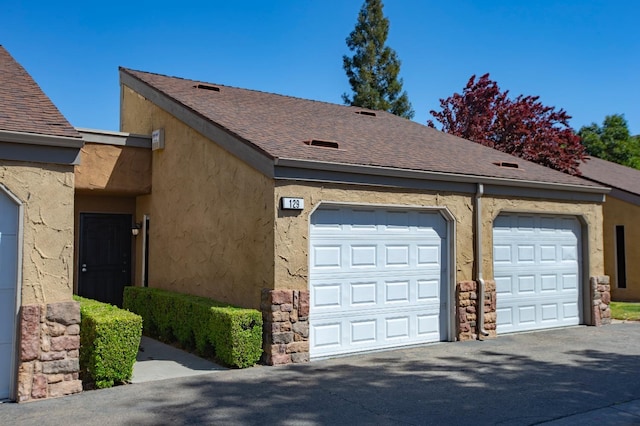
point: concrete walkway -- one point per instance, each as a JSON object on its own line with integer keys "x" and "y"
{"x": 157, "y": 361}
{"x": 573, "y": 376}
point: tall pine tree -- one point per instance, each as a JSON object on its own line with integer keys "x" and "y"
{"x": 374, "y": 67}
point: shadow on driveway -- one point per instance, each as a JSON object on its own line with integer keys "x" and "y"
{"x": 513, "y": 380}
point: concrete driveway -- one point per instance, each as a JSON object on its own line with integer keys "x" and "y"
{"x": 580, "y": 375}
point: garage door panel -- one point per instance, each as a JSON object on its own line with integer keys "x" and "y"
{"x": 569, "y": 281}
{"x": 549, "y": 312}
{"x": 396, "y": 255}
{"x": 376, "y": 294}
{"x": 389, "y": 276}
{"x": 504, "y": 317}
{"x": 569, "y": 253}
{"x": 396, "y": 292}
{"x": 364, "y": 256}
{"x": 549, "y": 283}
{"x": 526, "y": 284}
{"x": 327, "y": 296}
{"x": 364, "y": 294}
{"x": 571, "y": 310}
{"x": 9, "y": 218}
{"x": 328, "y": 256}
{"x": 428, "y": 291}
{"x": 540, "y": 287}
{"x": 327, "y": 335}
{"x": 525, "y": 253}
{"x": 504, "y": 285}
{"x": 363, "y": 331}
{"x": 8, "y": 260}
{"x": 429, "y": 255}
{"x": 429, "y": 325}
{"x": 7, "y": 313}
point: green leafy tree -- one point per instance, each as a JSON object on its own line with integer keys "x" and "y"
{"x": 612, "y": 141}
{"x": 374, "y": 67}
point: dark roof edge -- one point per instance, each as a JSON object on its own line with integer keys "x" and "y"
{"x": 437, "y": 176}
{"x": 107, "y": 137}
{"x": 614, "y": 187}
{"x": 39, "y": 139}
{"x": 627, "y": 196}
{"x": 234, "y": 144}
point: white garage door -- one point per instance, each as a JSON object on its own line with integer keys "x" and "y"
{"x": 8, "y": 282}
{"x": 377, "y": 279}
{"x": 537, "y": 272}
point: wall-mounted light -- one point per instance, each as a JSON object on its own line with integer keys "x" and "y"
{"x": 135, "y": 229}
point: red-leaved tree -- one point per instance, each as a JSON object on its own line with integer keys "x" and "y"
{"x": 522, "y": 126}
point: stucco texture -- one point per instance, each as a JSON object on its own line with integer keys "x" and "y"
{"x": 113, "y": 169}
{"x": 292, "y": 228}
{"x": 618, "y": 212}
{"x": 211, "y": 216}
{"x": 46, "y": 193}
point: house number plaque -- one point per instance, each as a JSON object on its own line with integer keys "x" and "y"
{"x": 291, "y": 203}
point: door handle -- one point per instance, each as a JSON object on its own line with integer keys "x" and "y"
{"x": 84, "y": 267}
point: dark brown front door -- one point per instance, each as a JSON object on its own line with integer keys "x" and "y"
{"x": 105, "y": 256}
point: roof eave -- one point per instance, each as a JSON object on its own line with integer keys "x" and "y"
{"x": 598, "y": 191}
{"x": 40, "y": 139}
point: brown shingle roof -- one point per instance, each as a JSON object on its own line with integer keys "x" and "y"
{"x": 278, "y": 125}
{"x": 23, "y": 105}
{"x": 612, "y": 174}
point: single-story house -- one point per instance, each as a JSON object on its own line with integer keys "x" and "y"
{"x": 351, "y": 229}
{"x": 621, "y": 226}
{"x": 39, "y": 321}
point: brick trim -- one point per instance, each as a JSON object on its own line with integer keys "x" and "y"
{"x": 49, "y": 351}
{"x": 600, "y": 300}
{"x": 285, "y": 315}
{"x": 467, "y": 310}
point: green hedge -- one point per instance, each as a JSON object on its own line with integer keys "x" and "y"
{"x": 109, "y": 341}
{"x": 232, "y": 335}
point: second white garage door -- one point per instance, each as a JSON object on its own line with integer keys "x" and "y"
{"x": 377, "y": 279}
{"x": 537, "y": 272}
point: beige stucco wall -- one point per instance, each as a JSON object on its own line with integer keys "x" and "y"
{"x": 113, "y": 169}
{"x": 618, "y": 212}
{"x": 292, "y": 228}
{"x": 211, "y": 215}
{"x": 46, "y": 193}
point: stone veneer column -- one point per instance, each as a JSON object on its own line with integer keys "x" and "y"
{"x": 467, "y": 310}
{"x": 285, "y": 315}
{"x": 49, "y": 351}
{"x": 600, "y": 299}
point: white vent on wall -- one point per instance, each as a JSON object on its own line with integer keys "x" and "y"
{"x": 157, "y": 139}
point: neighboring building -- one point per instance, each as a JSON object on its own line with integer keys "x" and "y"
{"x": 354, "y": 229}
{"x": 621, "y": 225}
{"x": 39, "y": 321}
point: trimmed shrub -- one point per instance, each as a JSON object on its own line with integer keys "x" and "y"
{"x": 230, "y": 334}
{"x": 109, "y": 342}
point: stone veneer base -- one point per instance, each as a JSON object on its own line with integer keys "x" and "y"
{"x": 49, "y": 351}
{"x": 285, "y": 315}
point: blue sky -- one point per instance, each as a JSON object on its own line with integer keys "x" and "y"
{"x": 580, "y": 55}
